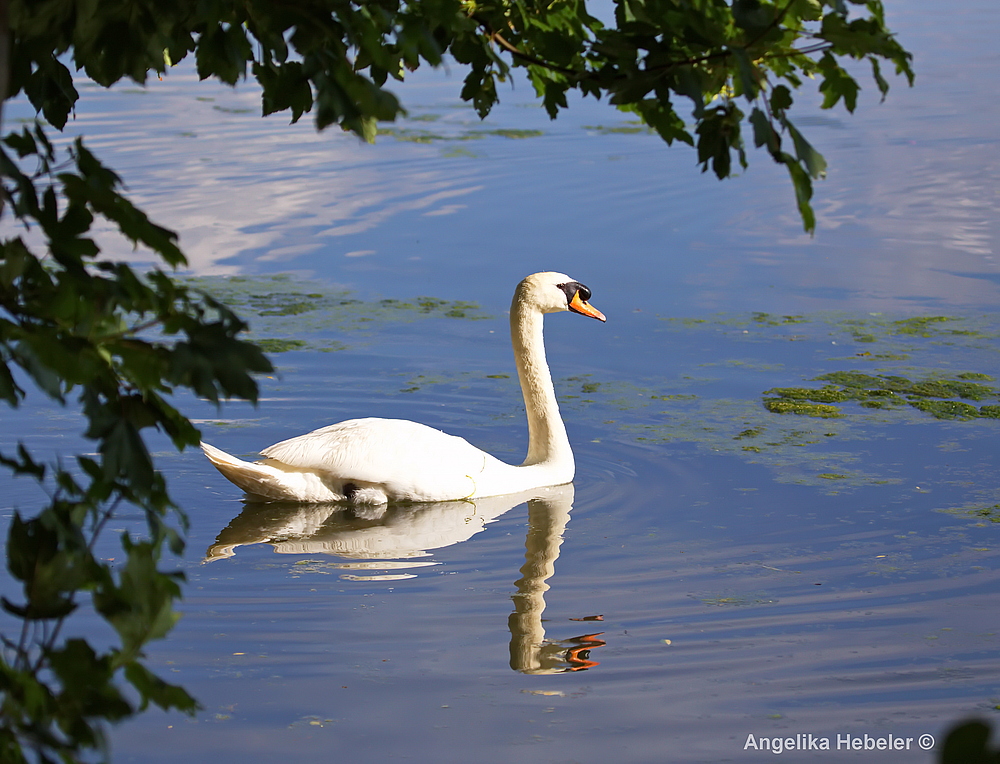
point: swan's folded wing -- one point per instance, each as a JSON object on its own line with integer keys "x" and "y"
{"x": 409, "y": 460}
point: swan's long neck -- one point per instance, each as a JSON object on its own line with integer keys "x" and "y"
{"x": 547, "y": 441}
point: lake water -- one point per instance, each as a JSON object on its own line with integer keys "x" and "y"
{"x": 718, "y": 570}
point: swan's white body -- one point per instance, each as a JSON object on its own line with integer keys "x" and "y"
{"x": 376, "y": 461}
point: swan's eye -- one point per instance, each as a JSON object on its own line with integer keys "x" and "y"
{"x": 572, "y": 288}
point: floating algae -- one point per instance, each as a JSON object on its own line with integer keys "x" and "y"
{"x": 802, "y": 408}
{"x": 933, "y": 395}
{"x": 282, "y": 305}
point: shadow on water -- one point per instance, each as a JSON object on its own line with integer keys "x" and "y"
{"x": 397, "y": 537}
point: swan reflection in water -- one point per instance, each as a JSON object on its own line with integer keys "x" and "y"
{"x": 397, "y": 537}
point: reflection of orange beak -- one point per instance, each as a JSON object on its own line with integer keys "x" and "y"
{"x": 585, "y": 308}
{"x": 578, "y": 658}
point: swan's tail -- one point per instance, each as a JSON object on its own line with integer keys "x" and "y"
{"x": 269, "y": 483}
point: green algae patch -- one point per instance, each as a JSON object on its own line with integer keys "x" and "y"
{"x": 282, "y": 296}
{"x": 291, "y": 308}
{"x": 852, "y": 379}
{"x": 881, "y": 403}
{"x": 415, "y": 135}
{"x": 826, "y": 394}
{"x": 802, "y": 408}
{"x": 286, "y": 313}
{"x": 876, "y": 328}
{"x": 457, "y": 151}
{"x": 992, "y": 514}
{"x": 507, "y": 132}
{"x": 869, "y": 356}
{"x": 921, "y": 326}
{"x": 274, "y": 345}
{"x": 947, "y": 409}
{"x": 980, "y": 513}
{"x": 935, "y": 395}
{"x": 426, "y": 305}
{"x": 769, "y": 320}
{"x": 739, "y": 600}
{"x": 629, "y": 128}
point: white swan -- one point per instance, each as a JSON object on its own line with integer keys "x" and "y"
{"x": 377, "y": 461}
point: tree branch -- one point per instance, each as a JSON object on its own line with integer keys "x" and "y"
{"x": 497, "y": 37}
{"x": 585, "y": 74}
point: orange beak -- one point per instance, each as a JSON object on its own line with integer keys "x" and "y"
{"x": 584, "y": 308}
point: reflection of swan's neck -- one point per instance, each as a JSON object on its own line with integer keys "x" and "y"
{"x": 547, "y": 441}
{"x": 529, "y": 653}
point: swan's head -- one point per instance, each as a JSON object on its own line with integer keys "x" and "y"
{"x": 554, "y": 292}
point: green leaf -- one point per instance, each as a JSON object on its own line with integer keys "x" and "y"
{"x": 140, "y": 606}
{"x": 51, "y": 560}
{"x": 968, "y": 743}
{"x": 50, "y": 89}
{"x": 87, "y": 681}
{"x": 689, "y": 84}
{"x": 781, "y": 99}
{"x": 752, "y": 15}
{"x": 660, "y": 116}
{"x": 811, "y": 159}
{"x": 803, "y": 192}
{"x": 9, "y": 389}
{"x": 25, "y": 356}
{"x": 24, "y": 464}
{"x": 125, "y": 454}
{"x": 24, "y": 144}
{"x": 718, "y": 135}
{"x": 96, "y": 187}
{"x": 748, "y": 75}
{"x": 223, "y": 51}
{"x": 883, "y": 86}
{"x": 764, "y": 133}
{"x": 807, "y": 10}
{"x": 284, "y": 87}
{"x": 837, "y": 84}
{"x": 153, "y": 689}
